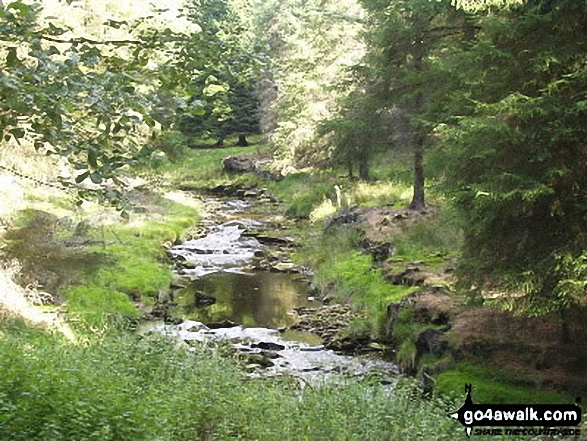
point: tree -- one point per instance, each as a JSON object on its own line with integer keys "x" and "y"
{"x": 404, "y": 39}
{"x": 357, "y": 132}
{"x": 78, "y": 97}
{"x": 514, "y": 151}
{"x": 223, "y": 98}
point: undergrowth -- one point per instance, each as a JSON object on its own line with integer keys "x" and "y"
{"x": 133, "y": 388}
{"x": 494, "y": 386}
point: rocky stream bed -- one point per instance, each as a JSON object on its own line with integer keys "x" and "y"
{"x": 235, "y": 284}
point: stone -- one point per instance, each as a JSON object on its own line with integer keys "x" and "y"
{"x": 312, "y": 348}
{"x": 192, "y": 326}
{"x": 376, "y": 346}
{"x": 186, "y": 265}
{"x": 431, "y": 341}
{"x": 379, "y": 251}
{"x": 286, "y": 267}
{"x": 259, "y": 254}
{"x": 259, "y": 359}
{"x": 239, "y": 164}
{"x": 268, "y": 346}
{"x": 203, "y": 299}
{"x": 163, "y": 297}
{"x": 410, "y": 276}
{"x": 222, "y": 324}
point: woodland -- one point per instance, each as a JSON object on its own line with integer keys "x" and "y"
{"x": 421, "y": 163}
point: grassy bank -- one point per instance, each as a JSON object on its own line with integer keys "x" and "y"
{"x": 96, "y": 265}
{"x": 126, "y": 387}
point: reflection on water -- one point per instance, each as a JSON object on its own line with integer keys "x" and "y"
{"x": 303, "y": 337}
{"x": 260, "y": 299}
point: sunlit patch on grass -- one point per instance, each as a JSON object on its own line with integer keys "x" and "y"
{"x": 323, "y": 211}
{"x": 380, "y": 193}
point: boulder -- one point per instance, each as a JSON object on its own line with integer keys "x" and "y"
{"x": 222, "y": 324}
{"x": 268, "y": 346}
{"x": 286, "y": 267}
{"x": 239, "y": 164}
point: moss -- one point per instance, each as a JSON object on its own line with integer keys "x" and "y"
{"x": 493, "y": 386}
{"x": 405, "y": 356}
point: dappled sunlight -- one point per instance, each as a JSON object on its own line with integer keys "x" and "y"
{"x": 323, "y": 211}
{"x": 183, "y": 198}
{"x": 18, "y": 303}
{"x": 380, "y": 193}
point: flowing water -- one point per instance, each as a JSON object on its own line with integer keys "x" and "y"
{"x": 246, "y": 307}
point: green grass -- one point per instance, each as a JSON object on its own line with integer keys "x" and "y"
{"x": 493, "y": 386}
{"x": 304, "y": 192}
{"x": 201, "y": 168}
{"x": 341, "y": 268}
{"x": 134, "y": 267}
{"x": 124, "y": 387}
{"x": 97, "y": 306}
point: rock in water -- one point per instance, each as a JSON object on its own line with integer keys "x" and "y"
{"x": 203, "y": 299}
{"x": 268, "y": 346}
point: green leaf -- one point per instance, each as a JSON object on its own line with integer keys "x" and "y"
{"x": 11, "y": 58}
{"x": 53, "y": 51}
{"x": 81, "y": 177}
{"x": 213, "y": 89}
{"x": 17, "y": 132}
{"x": 96, "y": 178}
{"x": 93, "y": 157}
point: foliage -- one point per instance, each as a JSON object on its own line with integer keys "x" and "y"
{"x": 303, "y": 192}
{"x": 173, "y": 144}
{"x": 311, "y": 46}
{"x": 514, "y": 151}
{"x": 97, "y": 307}
{"x": 128, "y": 387}
{"x": 222, "y": 99}
{"x": 89, "y": 100}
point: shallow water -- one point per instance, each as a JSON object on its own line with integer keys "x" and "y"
{"x": 259, "y": 302}
{"x": 257, "y": 299}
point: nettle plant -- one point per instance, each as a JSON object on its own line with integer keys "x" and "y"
{"x": 92, "y": 102}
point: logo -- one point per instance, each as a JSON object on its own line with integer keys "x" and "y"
{"x": 549, "y": 417}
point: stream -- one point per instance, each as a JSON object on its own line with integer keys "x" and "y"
{"x": 235, "y": 290}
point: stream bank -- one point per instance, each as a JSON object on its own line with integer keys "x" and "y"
{"x": 235, "y": 283}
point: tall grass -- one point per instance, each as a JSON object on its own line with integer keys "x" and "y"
{"x": 129, "y": 388}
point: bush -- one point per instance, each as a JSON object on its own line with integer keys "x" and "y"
{"x": 173, "y": 144}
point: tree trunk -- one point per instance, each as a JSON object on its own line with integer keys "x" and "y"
{"x": 349, "y": 165}
{"x": 220, "y": 143}
{"x": 242, "y": 141}
{"x": 418, "y": 201}
{"x": 566, "y": 336}
{"x": 364, "y": 166}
